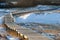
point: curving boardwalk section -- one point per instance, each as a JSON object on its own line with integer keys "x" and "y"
{"x": 17, "y": 12}
{"x": 32, "y": 35}
{"x": 29, "y": 33}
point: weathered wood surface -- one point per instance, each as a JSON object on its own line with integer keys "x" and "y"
{"x": 21, "y": 13}
{"x": 29, "y": 33}
{"x": 9, "y": 17}
{"x": 31, "y": 11}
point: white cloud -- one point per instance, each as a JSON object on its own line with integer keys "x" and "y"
{"x": 24, "y": 16}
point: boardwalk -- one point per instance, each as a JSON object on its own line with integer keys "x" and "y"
{"x": 17, "y": 12}
{"x": 29, "y": 33}
{"x": 32, "y": 35}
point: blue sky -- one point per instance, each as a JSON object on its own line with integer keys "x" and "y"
{"x": 52, "y": 18}
{"x": 48, "y": 19}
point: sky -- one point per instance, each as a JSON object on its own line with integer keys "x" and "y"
{"x": 52, "y": 18}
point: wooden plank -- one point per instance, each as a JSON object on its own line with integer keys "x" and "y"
{"x": 32, "y": 35}
{"x": 29, "y": 33}
{"x": 33, "y": 11}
